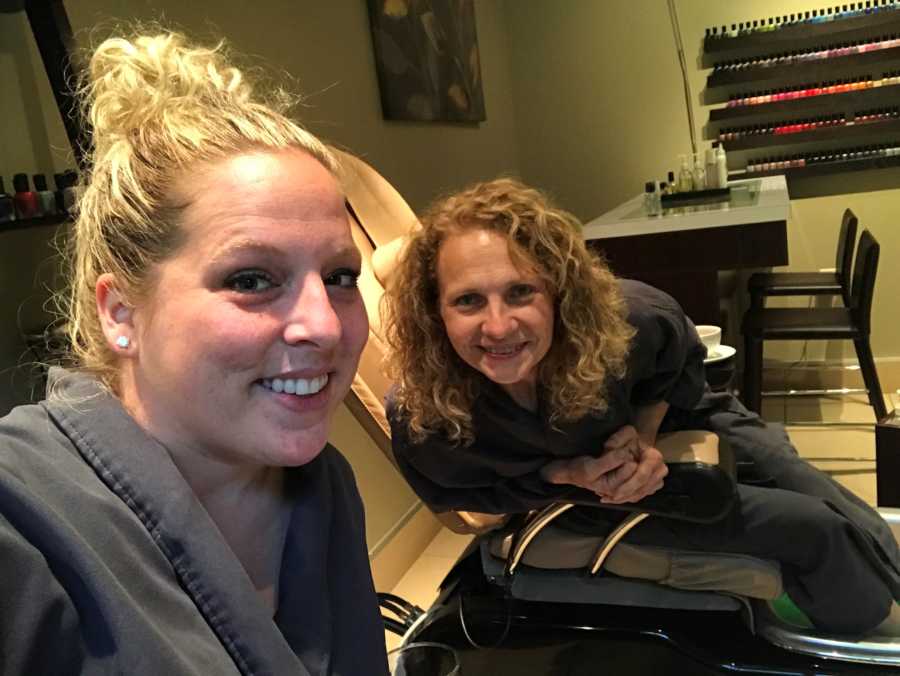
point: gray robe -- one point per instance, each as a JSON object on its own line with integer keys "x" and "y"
{"x": 109, "y": 563}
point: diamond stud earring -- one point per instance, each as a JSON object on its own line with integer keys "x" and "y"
{"x": 122, "y": 341}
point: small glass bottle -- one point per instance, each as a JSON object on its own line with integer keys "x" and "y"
{"x": 651, "y": 198}
{"x": 699, "y": 173}
{"x": 685, "y": 177}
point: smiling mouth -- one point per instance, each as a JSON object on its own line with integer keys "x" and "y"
{"x": 503, "y": 350}
{"x": 300, "y": 387}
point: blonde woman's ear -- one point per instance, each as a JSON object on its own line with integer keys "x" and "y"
{"x": 116, "y": 316}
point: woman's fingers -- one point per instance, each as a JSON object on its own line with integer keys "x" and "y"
{"x": 610, "y": 482}
{"x": 646, "y": 480}
{"x": 585, "y": 470}
{"x": 625, "y": 437}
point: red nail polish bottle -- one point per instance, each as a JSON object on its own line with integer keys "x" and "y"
{"x": 25, "y": 200}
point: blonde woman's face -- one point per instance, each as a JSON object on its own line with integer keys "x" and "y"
{"x": 254, "y": 329}
{"x": 498, "y": 318}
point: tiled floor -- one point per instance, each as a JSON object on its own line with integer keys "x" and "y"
{"x": 848, "y": 453}
{"x": 420, "y": 584}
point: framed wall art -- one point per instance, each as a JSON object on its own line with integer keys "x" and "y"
{"x": 427, "y": 58}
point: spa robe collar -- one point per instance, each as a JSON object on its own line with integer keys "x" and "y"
{"x": 140, "y": 471}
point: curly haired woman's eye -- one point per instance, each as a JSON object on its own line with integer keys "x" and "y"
{"x": 521, "y": 292}
{"x": 467, "y": 300}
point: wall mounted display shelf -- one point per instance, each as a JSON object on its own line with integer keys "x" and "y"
{"x": 41, "y": 222}
{"x": 807, "y": 94}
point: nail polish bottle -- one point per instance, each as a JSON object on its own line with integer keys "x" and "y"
{"x": 59, "y": 181}
{"x": 7, "y": 206}
{"x": 25, "y": 200}
{"x": 46, "y": 200}
{"x": 673, "y": 187}
{"x": 70, "y": 192}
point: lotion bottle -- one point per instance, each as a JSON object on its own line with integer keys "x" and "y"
{"x": 711, "y": 175}
{"x": 721, "y": 167}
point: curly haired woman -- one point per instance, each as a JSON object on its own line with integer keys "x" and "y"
{"x": 527, "y": 373}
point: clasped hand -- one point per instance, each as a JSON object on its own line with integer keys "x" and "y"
{"x": 627, "y": 471}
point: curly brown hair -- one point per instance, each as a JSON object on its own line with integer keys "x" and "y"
{"x": 435, "y": 387}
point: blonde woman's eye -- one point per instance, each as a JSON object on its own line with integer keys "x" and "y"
{"x": 249, "y": 281}
{"x": 345, "y": 279}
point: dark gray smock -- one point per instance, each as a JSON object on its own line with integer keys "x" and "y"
{"x": 839, "y": 559}
{"x": 110, "y": 565}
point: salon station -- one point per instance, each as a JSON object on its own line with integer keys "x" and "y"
{"x": 743, "y": 158}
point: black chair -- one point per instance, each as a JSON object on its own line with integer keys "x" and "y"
{"x": 763, "y": 284}
{"x": 852, "y": 322}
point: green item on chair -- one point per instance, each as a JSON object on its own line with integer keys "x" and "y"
{"x": 787, "y": 611}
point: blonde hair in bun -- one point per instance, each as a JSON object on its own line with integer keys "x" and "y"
{"x": 156, "y": 106}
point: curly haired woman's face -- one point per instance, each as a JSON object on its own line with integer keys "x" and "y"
{"x": 253, "y": 332}
{"x": 498, "y": 318}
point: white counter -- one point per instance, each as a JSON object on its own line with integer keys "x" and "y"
{"x": 755, "y": 200}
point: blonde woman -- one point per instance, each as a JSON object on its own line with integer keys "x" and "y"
{"x": 527, "y": 373}
{"x": 174, "y": 507}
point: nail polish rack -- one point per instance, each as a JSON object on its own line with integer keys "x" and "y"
{"x": 820, "y": 163}
{"x": 807, "y": 94}
{"x": 37, "y": 205}
{"x": 53, "y": 37}
{"x": 831, "y": 25}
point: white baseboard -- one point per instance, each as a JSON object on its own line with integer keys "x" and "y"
{"x": 395, "y": 553}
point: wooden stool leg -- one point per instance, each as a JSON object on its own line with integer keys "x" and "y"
{"x": 887, "y": 461}
{"x": 757, "y": 300}
{"x": 753, "y": 353}
{"x": 870, "y": 375}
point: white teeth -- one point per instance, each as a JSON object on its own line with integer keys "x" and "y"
{"x": 502, "y": 350}
{"x": 298, "y": 386}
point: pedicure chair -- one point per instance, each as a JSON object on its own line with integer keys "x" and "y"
{"x": 529, "y": 596}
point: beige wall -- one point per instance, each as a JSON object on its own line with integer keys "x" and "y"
{"x": 327, "y": 48}
{"x": 600, "y": 110}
